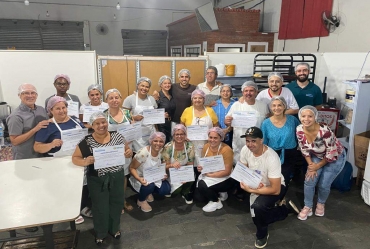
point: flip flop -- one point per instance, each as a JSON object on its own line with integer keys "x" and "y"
{"x": 128, "y": 207}
{"x": 79, "y": 220}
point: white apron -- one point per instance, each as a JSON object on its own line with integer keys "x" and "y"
{"x": 148, "y": 163}
{"x": 199, "y": 144}
{"x": 182, "y": 163}
{"x": 146, "y": 130}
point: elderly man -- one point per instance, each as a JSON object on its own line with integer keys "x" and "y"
{"x": 62, "y": 83}
{"x": 23, "y": 123}
{"x": 210, "y": 87}
{"x": 255, "y": 109}
{"x": 264, "y": 160}
{"x": 305, "y": 91}
{"x": 275, "y": 82}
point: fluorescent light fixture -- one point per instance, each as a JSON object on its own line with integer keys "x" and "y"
{"x": 26, "y": 2}
{"x": 118, "y": 7}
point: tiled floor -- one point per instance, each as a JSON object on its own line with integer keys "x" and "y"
{"x": 173, "y": 224}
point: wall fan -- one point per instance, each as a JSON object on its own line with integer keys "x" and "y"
{"x": 102, "y": 29}
{"x": 330, "y": 22}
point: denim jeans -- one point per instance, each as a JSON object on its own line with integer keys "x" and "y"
{"x": 165, "y": 189}
{"x": 325, "y": 177}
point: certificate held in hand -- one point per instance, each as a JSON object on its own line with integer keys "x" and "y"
{"x": 153, "y": 116}
{"x": 182, "y": 174}
{"x": 244, "y": 119}
{"x": 109, "y": 156}
{"x": 212, "y": 164}
{"x": 242, "y": 173}
{"x": 197, "y": 132}
{"x": 155, "y": 173}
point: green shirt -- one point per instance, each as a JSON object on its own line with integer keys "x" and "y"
{"x": 309, "y": 95}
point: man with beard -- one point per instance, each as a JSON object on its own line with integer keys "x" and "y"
{"x": 305, "y": 91}
{"x": 256, "y": 109}
{"x": 275, "y": 82}
{"x": 211, "y": 87}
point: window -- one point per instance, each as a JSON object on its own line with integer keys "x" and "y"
{"x": 228, "y": 47}
{"x": 258, "y": 46}
{"x": 192, "y": 50}
{"x": 176, "y": 51}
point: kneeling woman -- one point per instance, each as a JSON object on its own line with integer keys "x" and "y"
{"x": 105, "y": 184}
{"x": 147, "y": 157}
{"x": 212, "y": 183}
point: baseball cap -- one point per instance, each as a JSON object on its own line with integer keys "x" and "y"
{"x": 253, "y": 132}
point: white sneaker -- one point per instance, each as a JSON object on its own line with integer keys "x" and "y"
{"x": 223, "y": 196}
{"x": 212, "y": 206}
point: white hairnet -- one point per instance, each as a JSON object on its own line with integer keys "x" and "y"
{"x": 281, "y": 99}
{"x": 275, "y": 74}
{"x": 229, "y": 86}
{"x": 95, "y": 116}
{"x": 94, "y": 87}
{"x": 113, "y": 90}
{"x": 155, "y": 135}
{"x": 144, "y": 79}
{"x": 251, "y": 84}
{"x": 26, "y": 87}
{"x": 184, "y": 71}
{"x": 179, "y": 127}
{"x": 53, "y": 101}
{"x": 219, "y": 131}
{"x": 163, "y": 78}
{"x": 308, "y": 107}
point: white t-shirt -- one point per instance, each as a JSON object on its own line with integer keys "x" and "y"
{"x": 261, "y": 111}
{"x": 268, "y": 164}
{"x": 265, "y": 97}
{"x": 211, "y": 95}
{"x": 82, "y": 108}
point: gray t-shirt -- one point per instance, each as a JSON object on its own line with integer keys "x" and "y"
{"x": 20, "y": 121}
{"x": 69, "y": 96}
{"x": 130, "y": 102}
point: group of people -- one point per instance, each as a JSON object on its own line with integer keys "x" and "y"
{"x": 266, "y": 144}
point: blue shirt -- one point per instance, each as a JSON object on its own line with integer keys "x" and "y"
{"x": 221, "y": 112}
{"x": 309, "y": 95}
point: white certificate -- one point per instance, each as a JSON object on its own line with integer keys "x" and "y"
{"x": 130, "y": 132}
{"x": 88, "y": 110}
{"x": 242, "y": 173}
{"x": 182, "y": 174}
{"x": 212, "y": 164}
{"x": 244, "y": 119}
{"x": 197, "y": 132}
{"x": 71, "y": 138}
{"x": 154, "y": 173}
{"x": 153, "y": 116}
{"x": 73, "y": 108}
{"x": 109, "y": 156}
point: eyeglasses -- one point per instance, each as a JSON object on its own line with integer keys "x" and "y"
{"x": 29, "y": 93}
{"x": 62, "y": 84}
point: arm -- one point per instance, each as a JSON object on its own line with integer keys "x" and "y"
{"x": 19, "y": 139}
{"x": 79, "y": 160}
{"x": 272, "y": 189}
{"x": 133, "y": 166}
{"x": 46, "y": 147}
{"x": 291, "y": 111}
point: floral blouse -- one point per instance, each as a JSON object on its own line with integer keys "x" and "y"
{"x": 178, "y": 155}
{"x": 326, "y": 144}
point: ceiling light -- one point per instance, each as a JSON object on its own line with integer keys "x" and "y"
{"x": 47, "y": 14}
{"x": 26, "y": 2}
{"x": 114, "y": 16}
{"x": 118, "y": 7}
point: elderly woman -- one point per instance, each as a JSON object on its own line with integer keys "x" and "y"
{"x": 148, "y": 157}
{"x": 105, "y": 184}
{"x": 168, "y": 103}
{"x": 279, "y": 134}
{"x": 210, "y": 184}
{"x": 179, "y": 152}
{"x": 137, "y": 103}
{"x": 117, "y": 117}
{"x": 95, "y": 94}
{"x": 325, "y": 157}
{"x": 221, "y": 108}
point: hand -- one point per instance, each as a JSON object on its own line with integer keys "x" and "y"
{"x": 199, "y": 168}
{"x": 128, "y": 153}
{"x": 241, "y": 99}
{"x": 226, "y": 130}
{"x": 138, "y": 117}
{"x": 176, "y": 165}
{"x": 260, "y": 185}
{"x": 41, "y": 124}
{"x": 56, "y": 143}
{"x": 213, "y": 103}
{"x": 89, "y": 160}
{"x": 219, "y": 83}
{"x": 246, "y": 188}
{"x": 155, "y": 95}
{"x": 165, "y": 177}
{"x": 143, "y": 182}
{"x": 228, "y": 120}
{"x": 310, "y": 175}
{"x": 312, "y": 167}
{"x": 166, "y": 115}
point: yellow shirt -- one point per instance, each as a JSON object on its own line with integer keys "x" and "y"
{"x": 187, "y": 115}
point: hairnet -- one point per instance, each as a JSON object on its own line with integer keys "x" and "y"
{"x": 302, "y": 64}
{"x": 281, "y": 99}
{"x": 53, "y": 101}
{"x": 144, "y": 79}
{"x": 179, "y": 127}
{"x": 249, "y": 84}
{"x": 275, "y": 74}
{"x": 94, "y": 87}
{"x": 163, "y": 78}
{"x": 184, "y": 71}
{"x": 229, "y": 86}
{"x": 64, "y": 76}
{"x": 155, "y": 135}
{"x": 113, "y": 90}
{"x": 213, "y": 68}
{"x": 308, "y": 107}
{"x": 26, "y": 87}
{"x": 95, "y": 116}
{"x": 219, "y": 131}
{"x": 198, "y": 92}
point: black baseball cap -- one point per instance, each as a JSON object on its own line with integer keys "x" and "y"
{"x": 253, "y": 132}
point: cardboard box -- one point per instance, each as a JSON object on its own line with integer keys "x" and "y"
{"x": 361, "y": 148}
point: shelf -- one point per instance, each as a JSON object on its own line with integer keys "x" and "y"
{"x": 235, "y": 76}
{"x": 343, "y": 141}
{"x": 344, "y": 123}
{"x": 348, "y": 104}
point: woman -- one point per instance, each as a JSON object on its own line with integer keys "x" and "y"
{"x": 168, "y": 103}
{"x": 210, "y": 184}
{"x": 325, "y": 157}
{"x": 279, "y": 134}
{"x": 221, "y": 108}
{"x": 117, "y": 117}
{"x": 48, "y": 141}
{"x": 137, "y": 103}
{"x": 95, "y": 94}
{"x": 148, "y": 157}
{"x": 179, "y": 152}
{"x": 105, "y": 184}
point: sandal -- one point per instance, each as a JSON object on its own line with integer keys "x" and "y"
{"x": 128, "y": 206}
{"x": 79, "y": 220}
{"x": 99, "y": 241}
{"x": 86, "y": 212}
{"x": 117, "y": 235}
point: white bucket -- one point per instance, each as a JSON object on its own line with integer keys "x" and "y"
{"x": 220, "y": 69}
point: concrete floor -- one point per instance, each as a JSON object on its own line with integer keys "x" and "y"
{"x": 173, "y": 224}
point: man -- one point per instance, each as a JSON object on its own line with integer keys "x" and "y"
{"x": 23, "y": 123}
{"x": 305, "y": 91}
{"x": 275, "y": 82}
{"x": 265, "y": 161}
{"x": 62, "y": 83}
{"x": 257, "y": 110}
{"x": 210, "y": 87}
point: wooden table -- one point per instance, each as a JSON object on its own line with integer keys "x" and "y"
{"x": 39, "y": 192}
